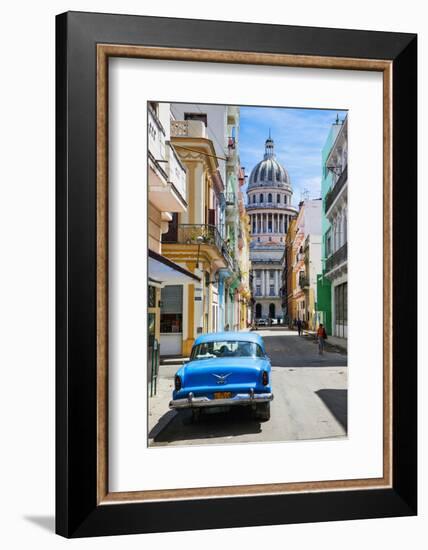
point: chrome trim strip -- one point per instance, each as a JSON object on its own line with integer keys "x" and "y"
{"x": 238, "y": 399}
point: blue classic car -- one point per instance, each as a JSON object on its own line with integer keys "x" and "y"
{"x": 225, "y": 369}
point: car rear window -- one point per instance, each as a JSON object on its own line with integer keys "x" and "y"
{"x": 225, "y": 348}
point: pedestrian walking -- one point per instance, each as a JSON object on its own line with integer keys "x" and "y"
{"x": 299, "y": 326}
{"x": 322, "y": 337}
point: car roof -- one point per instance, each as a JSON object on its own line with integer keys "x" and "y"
{"x": 230, "y": 335}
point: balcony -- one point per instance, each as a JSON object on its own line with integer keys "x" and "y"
{"x": 156, "y": 137}
{"x": 167, "y": 176}
{"x": 334, "y": 191}
{"x": 231, "y": 149}
{"x": 230, "y": 199}
{"x": 201, "y": 235}
{"x": 304, "y": 282}
{"x": 336, "y": 259}
{"x": 176, "y": 172}
{"x": 188, "y": 128}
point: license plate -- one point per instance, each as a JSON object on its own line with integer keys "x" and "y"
{"x": 222, "y": 395}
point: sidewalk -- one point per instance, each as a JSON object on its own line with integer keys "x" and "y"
{"x": 159, "y": 413}
{"x": 341, "y": 343}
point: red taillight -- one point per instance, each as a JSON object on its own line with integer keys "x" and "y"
{"x": 265, "y": 378}
{"x": 177, "y": 382}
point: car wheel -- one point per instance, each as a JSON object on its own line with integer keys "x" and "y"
{"x": 263, "y": 411}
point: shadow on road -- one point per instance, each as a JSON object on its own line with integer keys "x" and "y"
{"x": 289, "y": 350}
{"x": 337, "y": 402}
{"x": 237, "y": 421}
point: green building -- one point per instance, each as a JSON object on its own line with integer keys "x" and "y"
{"x": 323, "y": 305}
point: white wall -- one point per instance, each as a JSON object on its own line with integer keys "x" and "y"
{"x": 27, "y": 274}
{"x": 217, "y": 127}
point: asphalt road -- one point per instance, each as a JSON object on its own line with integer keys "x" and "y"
{"x": 310, "y": 400}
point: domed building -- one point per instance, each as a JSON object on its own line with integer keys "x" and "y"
{"x": 269, "y": 207}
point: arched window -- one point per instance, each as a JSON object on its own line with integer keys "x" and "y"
{"x": 261, "y": 198}
{"x": 278, "y": 198}
{"x": 254, "y": 199}
{"x": 272, "y": 311}
{"x": 285, "y": 199}
{"x": 270, "y": 197}
{"x": 258, "y": 311}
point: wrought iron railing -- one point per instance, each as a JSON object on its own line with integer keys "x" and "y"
{"x": 333, "y": 193}
{"x": 337, "y": 258}
{"x": 199, "y": 234}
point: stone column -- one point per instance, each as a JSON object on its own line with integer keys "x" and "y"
{"x": 263, "y": 281}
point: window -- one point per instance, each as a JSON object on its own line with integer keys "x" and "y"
{"x": 328, "y": 246}
{"x": 271, "y": 274}
{"x": 224, "y": 349}
{"x": 271, "y": 290}
{"x": 270, "y": 197}
{"x": 197, "y": 116}
{"x": 285, "y": 199}
{"x": 258, "y": 272}
{"x": 258, "y": 290}
{"x": 171, "y": 323}
{"x": 278, "y": 198}
{"x": 254, "y": 199}
{"x": 341, "y": 309}
{"x": 171, "y": 309}
{"x": 261, "y": 197}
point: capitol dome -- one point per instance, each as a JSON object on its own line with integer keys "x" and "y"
{"x": 269, "y": 172}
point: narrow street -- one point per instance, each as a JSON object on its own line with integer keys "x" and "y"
{"x": 310, "y": 400}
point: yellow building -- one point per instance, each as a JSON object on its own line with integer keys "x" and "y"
{"x": 244, "y": 240}
{"x": 193, "y": 240}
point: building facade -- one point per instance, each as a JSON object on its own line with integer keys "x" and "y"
{"x": 302, "y": 264}
{"x": 335, "y": 205}
{"x": 323, "y": 283}
{"x": 204, "y": 238}
{"x": 167, "y": 196}
{"x": 270, "y": 212}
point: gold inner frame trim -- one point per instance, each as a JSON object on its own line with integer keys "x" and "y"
{"x": 104, "y": 51}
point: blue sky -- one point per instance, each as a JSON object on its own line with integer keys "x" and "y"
{"x": 299, "y": 136}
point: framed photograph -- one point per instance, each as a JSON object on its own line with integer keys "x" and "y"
{"x": 236, "y": 265}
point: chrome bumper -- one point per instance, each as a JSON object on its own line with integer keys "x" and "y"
{"x": 250, "y": 398}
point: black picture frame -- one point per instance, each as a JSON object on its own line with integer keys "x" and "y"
{"x": 77, "y": 512}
